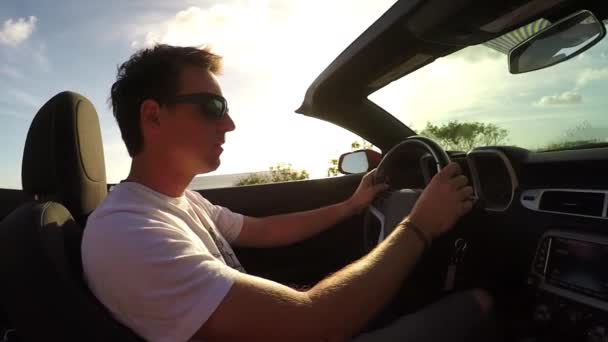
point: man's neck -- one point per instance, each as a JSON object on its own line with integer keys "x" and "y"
{"x": 160, "y": 177}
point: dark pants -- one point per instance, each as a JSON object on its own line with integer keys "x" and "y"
{"x": 457, "y": 317}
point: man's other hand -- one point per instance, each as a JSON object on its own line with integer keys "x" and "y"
{"x": 366, "y": 192}
{"x": 446, "y": 198}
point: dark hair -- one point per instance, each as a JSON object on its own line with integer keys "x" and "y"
{"x": 152, "y": 73}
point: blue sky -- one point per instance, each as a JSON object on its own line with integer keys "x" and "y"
{"x": 72, "y": 46}
{"x": 272, "y": 51}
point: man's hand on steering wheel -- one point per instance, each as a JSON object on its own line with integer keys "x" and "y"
{"x": 366, "y": 192}
{"x": 446, "y": 198}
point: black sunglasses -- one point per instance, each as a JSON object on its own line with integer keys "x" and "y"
{"x": 212, "y": 106}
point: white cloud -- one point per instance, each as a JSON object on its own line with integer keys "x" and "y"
{"x": 26, "y": 98}
{"x": 590, "y": 74}
{"x": 221, "y": 24}
{"x": 565, "y": 98}
{"x": 15, "y": 32}
{"x": 10, "y": 71}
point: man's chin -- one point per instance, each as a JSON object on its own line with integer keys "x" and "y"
{"x": 210, "y": 166}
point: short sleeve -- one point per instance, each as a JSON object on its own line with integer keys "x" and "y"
{"x": 227, "y": 222}
{"x": 154, "y": 278}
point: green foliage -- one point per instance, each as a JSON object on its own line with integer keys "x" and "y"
{"x": 573, "y": 137}
{"x": 276, "y": 174}
{"x": 252, "y": 179}
{"x": 361, "y": 145}
{"x": 567, "y": 145}
{"x": 333, "y": 171}
{"x": 464, "y": 136}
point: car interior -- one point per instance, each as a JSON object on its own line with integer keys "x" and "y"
{"x": 537, "y": 238}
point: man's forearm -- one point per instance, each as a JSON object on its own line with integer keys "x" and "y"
{"x": 286, "y": 229}
{"x": 348, "y": 299}
{"x": 333, "y": 310}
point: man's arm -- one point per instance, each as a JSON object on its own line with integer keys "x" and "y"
{"x": 286, "y": 229}
{"x": 336, "y": 308}
{"x": 339, "y": 306}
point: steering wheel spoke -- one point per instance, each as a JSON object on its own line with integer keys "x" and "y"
{"x": 390, "y": 207}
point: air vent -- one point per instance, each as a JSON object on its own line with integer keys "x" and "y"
{"x": 570, "y": 202}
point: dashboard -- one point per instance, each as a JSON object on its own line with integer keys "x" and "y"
{"x": 570, "y": 280}
{"x": 542, "y": 243}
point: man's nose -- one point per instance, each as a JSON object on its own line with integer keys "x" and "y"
{"x": 227, "y": 124}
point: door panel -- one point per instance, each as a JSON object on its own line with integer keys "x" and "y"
{"x": 10, "y": 200}
{"x": 307, "y": 262}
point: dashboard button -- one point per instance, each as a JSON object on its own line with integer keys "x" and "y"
{"x": 542, "y": 314}
{"x": 597, "y": 334}
{"x": 575, "y": 316}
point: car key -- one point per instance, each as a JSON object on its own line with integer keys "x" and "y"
{"x": 460, "y": 247}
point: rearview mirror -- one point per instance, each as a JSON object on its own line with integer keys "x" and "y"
{"x": 557, "y": 43}
{"x": 359, "y": 161}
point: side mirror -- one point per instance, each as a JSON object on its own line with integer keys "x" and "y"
{"x": 559, "y": 42}
{"x": 359, "y": 161}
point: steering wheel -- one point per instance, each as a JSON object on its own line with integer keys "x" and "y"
{"x": 390, "y": 207}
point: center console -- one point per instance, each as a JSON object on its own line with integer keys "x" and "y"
{"x": 569, "y": 276}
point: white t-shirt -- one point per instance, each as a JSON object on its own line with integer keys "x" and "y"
{"x": 151, "y": 260}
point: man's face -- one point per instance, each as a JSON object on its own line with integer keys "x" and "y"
{"x": 193, "y": 139}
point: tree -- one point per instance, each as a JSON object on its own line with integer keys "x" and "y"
{"x": 253, "y": 178}
{"x": 567, "y": 145}
{"x": 464, "y": 136}
{"x": 579, "y": 135}
{"x": 333, "y": 171}
{"x": 361, "y": 145}
{"x": 276, "y": 174}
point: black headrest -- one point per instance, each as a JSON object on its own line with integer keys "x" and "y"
{"x": 63, "y": 156}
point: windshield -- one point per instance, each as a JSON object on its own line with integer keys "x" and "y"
{"x": 470, "y": 99}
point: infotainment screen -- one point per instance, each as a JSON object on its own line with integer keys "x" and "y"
{"x": 580, "y": 266}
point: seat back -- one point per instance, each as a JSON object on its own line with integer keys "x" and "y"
{"x": 42, "y": 289}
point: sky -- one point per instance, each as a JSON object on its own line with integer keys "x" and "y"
{"x": 273, "y": 50}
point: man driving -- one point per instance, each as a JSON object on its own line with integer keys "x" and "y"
{"x": 159, "y": 256}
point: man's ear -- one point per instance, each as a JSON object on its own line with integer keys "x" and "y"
{"x": 149, "y": 113}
